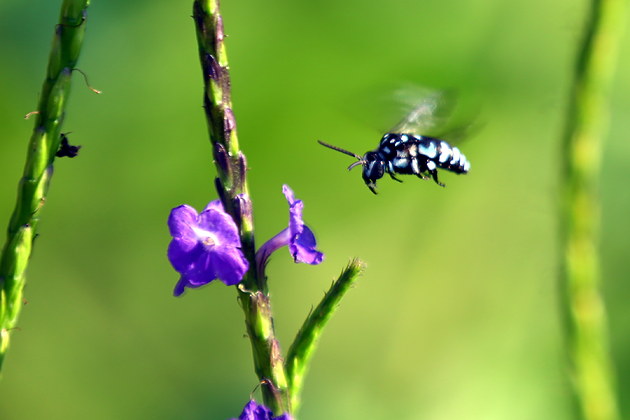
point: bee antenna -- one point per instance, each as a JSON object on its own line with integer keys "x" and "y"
{"x": 361, "y": 162}
{"x": 344, "y": 151}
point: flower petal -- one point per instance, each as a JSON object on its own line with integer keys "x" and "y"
{"x": 295, "y": 211}
{"x": 215, "y": 205}
{"x": 183, "y": 252}
{"x": 185, "y": 282}
{"x": 181, "y": 220}
{"x": 296, "y": 223}
{"x": 180, "y": 287}
{"x": 288, "y": 193}
{"x": 230, "y": 265}
{"x": 203, "y": 270}
{"x": 303, "y": 248}
{"x": 255, "y": 411}
{"x": 222, "y": 227}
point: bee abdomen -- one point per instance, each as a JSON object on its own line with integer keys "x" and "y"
{"x": 450, "y": 158}
{"x": 413, "y": 153}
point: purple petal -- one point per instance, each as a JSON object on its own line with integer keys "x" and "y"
{"x": 288, "y": 193}
{"x": 296, "y": 224}
{"x": 255, "y": 411}
{"x": 302, "y": 245}
{"x": 203, "y": 270}
{"x": 295, "y": 211}
{"x": 181, "y": 220}
{"x": 226, "y": 263}
{"x": 180, "y": 286}
{"x": 303, "y": 248}
{"x": 198, "y": 274}
{"x": 230, "y": 265}
{"x": 183, "y": 252}
{"x": 222, "y": 227}
{"x": 183, "y": 283}
{"x": 215, "y": 205}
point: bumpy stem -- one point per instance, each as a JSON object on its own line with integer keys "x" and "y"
{"x": 305, "y": 342}
{"x": 587, "y": 338}
{"x": 232, "y": 187}
{"x": 38, "y": 170}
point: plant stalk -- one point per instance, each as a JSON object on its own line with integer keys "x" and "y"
{"x": 38, "y": 170}
{"x": 306, "y": 340}
{"x": 232, "y": 187}
{"x": 584, "y": 309}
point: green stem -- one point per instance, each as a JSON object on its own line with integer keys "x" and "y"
{"x": 38, "y": 169}
{"x": 233, "y": 191}
{"x": 306, "y": 340}
{"x": 587, "y": 336}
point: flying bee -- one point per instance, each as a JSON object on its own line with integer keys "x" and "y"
{"x": 404, "y": 153}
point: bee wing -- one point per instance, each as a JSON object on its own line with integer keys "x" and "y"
{"x": 425, "y": 110}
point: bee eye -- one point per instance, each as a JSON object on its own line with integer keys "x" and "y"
{"x": 374, "y": 169}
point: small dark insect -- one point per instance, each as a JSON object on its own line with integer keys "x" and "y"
{"x": 403, "y": 152}
{"x": 66, "y": 149}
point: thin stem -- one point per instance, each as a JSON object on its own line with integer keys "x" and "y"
{"x": 584, "y": 312}
{"x": 306, "y": 340}
{"x": 38, "y": 169}
{"x": 233, "y": 191}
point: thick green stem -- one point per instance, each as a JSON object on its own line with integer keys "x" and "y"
{"x": 587, "y": 338}
{"x": 306, "y": 340}
{"x": 38, "y": 169}
{"x": 232, "y": 187}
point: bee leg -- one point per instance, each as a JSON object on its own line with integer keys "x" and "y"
{"x": 434, "y": 175}
{"x": 372, "y": 187}
{"x": 394, "y": 178}
{"x": 423, "y": 177}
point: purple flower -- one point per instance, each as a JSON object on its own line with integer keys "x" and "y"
{"x": 255, "y": 411}
{"x": 298, "y": 237}
{"x": 205, "y": 246}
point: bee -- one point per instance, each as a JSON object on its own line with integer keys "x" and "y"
{"x": 401, "y": 152}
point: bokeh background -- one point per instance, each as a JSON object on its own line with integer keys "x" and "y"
{"x": 457, "y": 314}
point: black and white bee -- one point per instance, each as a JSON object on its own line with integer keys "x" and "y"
{"x": 404, "y": 153}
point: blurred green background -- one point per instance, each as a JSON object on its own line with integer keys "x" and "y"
{"x": 456, "y": 316}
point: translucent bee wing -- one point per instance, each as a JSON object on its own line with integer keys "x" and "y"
{"x": 425, "y": 110}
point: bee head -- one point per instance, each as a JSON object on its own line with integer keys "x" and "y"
{"x": 373, "y": 169}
